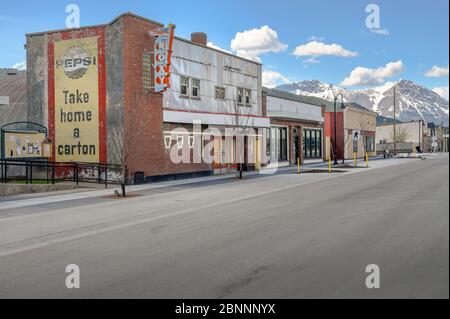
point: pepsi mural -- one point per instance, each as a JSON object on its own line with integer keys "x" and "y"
{"x": 76, "y": 113}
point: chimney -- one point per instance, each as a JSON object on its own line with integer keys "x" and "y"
{"x": 199, "y": 38}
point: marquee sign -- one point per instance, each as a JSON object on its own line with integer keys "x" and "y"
{"x": 162, "y": 56}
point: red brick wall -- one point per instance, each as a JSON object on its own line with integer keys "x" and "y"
{"x": 144, "y": 111}
{"x": 329, "y": 131}
{"x": 264, "y": 104}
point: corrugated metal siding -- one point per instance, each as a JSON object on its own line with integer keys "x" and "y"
{"x": 15, "y": 87}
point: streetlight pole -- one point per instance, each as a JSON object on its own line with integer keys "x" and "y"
{"x": 335, "y": 127}
{"x": 395, "y": 124}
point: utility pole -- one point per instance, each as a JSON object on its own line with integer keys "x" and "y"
{"x": 420, "y": 134}
{"x": 395, "y": 126}
{"x": 335, "y": 127}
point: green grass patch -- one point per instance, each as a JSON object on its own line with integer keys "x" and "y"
{"x": 34, "y": 182}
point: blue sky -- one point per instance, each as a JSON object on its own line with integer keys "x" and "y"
{"x": 330, "y": 38}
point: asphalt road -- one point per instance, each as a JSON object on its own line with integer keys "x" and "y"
{"x": 271, "y": 237}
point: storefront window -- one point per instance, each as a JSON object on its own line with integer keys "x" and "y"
{"x": 312, "y": 143}
{"x": 278, "y": 144}
{"x": 283, "y": 145}
{"x": 370, "y": 144}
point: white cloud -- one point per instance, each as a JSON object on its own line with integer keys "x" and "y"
{"x": 311, "y": 60}
{"x": 380, "y": 31}
{"x": 20, "y": 66}
{"x": 252, "y": 43}
{"x": 364, "y": 76}
{"x": 316, "y": 48}
{"x": 314, "y": 38}
{"x": 437, "y": 71}
{"x": 212, "y": 45}
{"x": 272, "y": 79}
{"x": 442, "y": 91}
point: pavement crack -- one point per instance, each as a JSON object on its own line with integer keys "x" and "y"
{"x": 242, "y": 281}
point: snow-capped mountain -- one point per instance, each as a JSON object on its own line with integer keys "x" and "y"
{"x": 414, "y": 101}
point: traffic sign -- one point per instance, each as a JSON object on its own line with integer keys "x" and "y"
{"x": 356, "y": 135}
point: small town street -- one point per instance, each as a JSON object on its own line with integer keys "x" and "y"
{"x": 269, "y": 236}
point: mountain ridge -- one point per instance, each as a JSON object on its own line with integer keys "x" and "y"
{"x": 414, "y": 101}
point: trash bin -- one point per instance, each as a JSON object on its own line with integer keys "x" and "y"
{"x": 139, "y": 178}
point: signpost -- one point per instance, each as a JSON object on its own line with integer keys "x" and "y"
{"x": 356, "y": 135}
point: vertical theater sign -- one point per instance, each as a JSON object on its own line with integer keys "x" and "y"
{"x": 162, "y": 56}
{"x": 77, "y": 97}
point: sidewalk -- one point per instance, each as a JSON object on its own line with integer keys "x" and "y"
{"x": 44, "y": 198}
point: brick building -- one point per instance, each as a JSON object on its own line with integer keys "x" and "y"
{"x": 90, "y": 87}
{"x": 354, "y": 118}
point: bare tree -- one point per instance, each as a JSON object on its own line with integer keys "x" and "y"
{"x": 364, "y": 124}
{"x": 240, "y": 109}
{"x": 401, "y": 135}
{"x": 348, "y": 138}
{"x": 129, "y": 128}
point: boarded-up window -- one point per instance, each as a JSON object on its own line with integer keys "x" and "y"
{"x": 220, "y": 93}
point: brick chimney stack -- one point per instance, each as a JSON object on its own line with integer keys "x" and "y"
{"x": 199, "y": 38}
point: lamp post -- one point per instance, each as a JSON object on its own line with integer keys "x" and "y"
{"x": 335, "y": 128}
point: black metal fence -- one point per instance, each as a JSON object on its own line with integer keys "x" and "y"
{"x": 43, "y": 171}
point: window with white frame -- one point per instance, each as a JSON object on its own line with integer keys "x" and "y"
{"x": 248, "y": 96}
{"x": 184, "y": 86}
{"x": 240, "y": 95}
{"x": 195, "y": 84}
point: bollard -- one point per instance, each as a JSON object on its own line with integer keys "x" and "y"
{"x": 257, "y": 164}
{"x": 355, "y": 158}
{"x": 298, "y": 166}
{"x": 329, "y": 165}
{"x": 367, "y": 159}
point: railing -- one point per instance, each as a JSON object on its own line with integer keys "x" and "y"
{"x": 43, "y": 171}
{"x": 401, "y": 147}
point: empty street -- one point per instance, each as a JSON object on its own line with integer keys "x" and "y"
{"x": 274, "y": 236}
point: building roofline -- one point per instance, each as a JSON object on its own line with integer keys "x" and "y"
{"x": 96, "y": 25}
{"x": 400, "y": 123}
{"x": 295, "y": 97}
{"x": 142, "y": 18}
{"x": 217, "y": 50}
{"x": 359, "y": 108}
